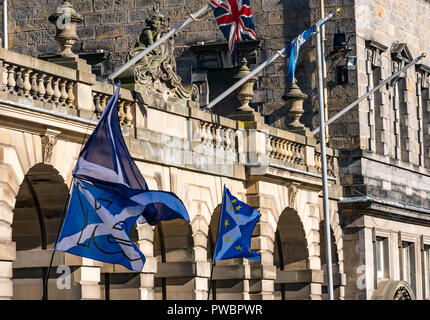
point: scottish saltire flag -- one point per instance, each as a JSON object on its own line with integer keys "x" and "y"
{"x": 237, "y": 222}
{"x": 109, "y": 195}
{"x": 292, "y": 51}
{"x": 235, "y": 20}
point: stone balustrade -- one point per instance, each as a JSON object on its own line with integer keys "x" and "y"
{"x": 70, "y": 88}
{"x": 286, "y": 151}
{"x": 38, "y": 81}
{"x": 102, "y": 92}
{"x": 217, "y": 136}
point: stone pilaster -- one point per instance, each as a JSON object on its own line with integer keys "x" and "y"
{"x": 145, "y": 243}
{"x": 9, "y": 186}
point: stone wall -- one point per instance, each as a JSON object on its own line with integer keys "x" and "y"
{"x": 113, "y": 26}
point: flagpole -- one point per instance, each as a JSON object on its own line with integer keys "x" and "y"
{"x": 323, "y": 40}
{"x": 183, "y": 24}
{"x": 324, "y": 165}
{"x": 279, "y": 53}
{"x": 379, "y": 86}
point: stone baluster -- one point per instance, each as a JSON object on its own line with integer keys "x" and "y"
{"x": 11, "y": 83}
{"x": 283, "y": 150}
{"x": 104, "y": 100}
{"x": 49, "y": 89}
{"x": 19, "y": 82}
{"x": 5, "y": 76}
{"x": 121, "y": 113}
{"x": 202, "y": 133}
{"x": 227, "y": 139}
{"x": 209, "y": 128}
{"x": 26, "y": 84}
{"x": 57, "y": 93}
{"x": 41, "y": 87}
{"x": 34, "y": 86}
{"x": 288, "y": 154}
{"x": 302, "y": 154}
{"x": 218, "y": 138}
{"x": 128, "y": 114}
{"x": 63, "y": 96}
{"x": 97, "y": 104}
{"x": 297, "y": 153}
{"x": 269, "y": 146}
{"x": 70, "y": 94}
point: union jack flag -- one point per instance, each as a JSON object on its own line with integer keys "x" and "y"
{"x": 235, "y": 20}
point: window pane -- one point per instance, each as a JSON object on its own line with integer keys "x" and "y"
{"x": 380, "y": 248}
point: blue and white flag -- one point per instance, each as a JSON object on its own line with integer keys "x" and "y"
{"x": 109, "y": 195}
{"x": 292, "y": 51}
{"x": 237, "y": 223}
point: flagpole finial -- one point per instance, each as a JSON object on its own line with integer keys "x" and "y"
{"x": 424, "y": 54}
{"x": 337, "y": 10}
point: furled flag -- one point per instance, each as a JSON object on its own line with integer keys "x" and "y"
{"x": 292, "y": 51}
{"x": 235, "y": 20}
{"x": 237, "y": 222}
{"x": 109, "y": 195}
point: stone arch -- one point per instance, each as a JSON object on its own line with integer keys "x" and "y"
{"x": 40, "y": 206}
{"x": 393, "y": 290}
{"x": 19, "y": 153}
{"x": 291, "y": 258}
{"x": 173, "y": 251}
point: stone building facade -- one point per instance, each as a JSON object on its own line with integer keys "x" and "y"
{"x": 379, "y": 162}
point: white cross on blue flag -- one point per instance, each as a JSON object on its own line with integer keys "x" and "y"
{"x": 109, "y": 195}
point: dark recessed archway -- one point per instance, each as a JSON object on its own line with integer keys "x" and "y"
{"x": 39, "y": 208}
{"x": 291, "y": 256}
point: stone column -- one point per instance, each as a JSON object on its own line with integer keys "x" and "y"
{"x": 262, "y": 273}
{"x": 88, "y": 277}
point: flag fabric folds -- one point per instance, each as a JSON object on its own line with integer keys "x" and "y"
{"x": 237, "y": 222}
{"x": 292, "y": 51}
{"x": 235, "y": 20}
{"x": 109, "y": 195}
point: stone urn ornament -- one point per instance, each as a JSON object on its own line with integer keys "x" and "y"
{"x": 66, "y": 21}
{"x": 294, "y": 100}
{"x": 246, "y": 91}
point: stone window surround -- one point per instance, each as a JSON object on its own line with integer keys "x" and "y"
{"x": 425, "y": 246}
{"x": 388, "y": 235}
{"x": 414, "y": 240}
{"x": 374, "y": 60}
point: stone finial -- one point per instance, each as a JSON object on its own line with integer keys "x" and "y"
{"x": 294, "y": 100}
{"x": 66, "y": 21}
